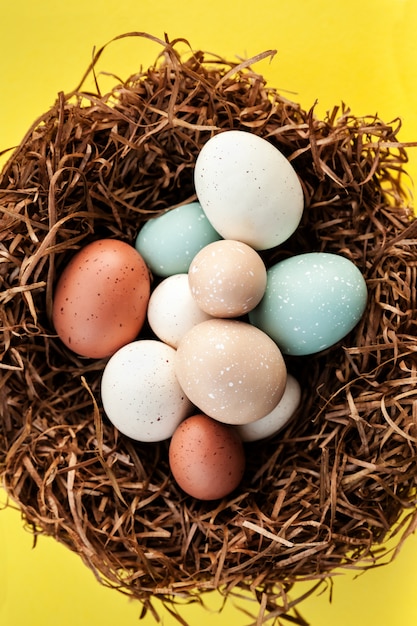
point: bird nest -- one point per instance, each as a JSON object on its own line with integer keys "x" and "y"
{"x": 326, "y": 492}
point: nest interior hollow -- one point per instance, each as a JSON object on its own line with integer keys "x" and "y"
{"x": 324, "y": 493}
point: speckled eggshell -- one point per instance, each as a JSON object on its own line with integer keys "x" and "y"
{"x": 230, "y": 370}
{"x": 206, "y": 458}
{"x": 248, "y": 189}
{"x": 172, "y": 310}
{"x": 227, "y": 278}
{"x": 140, "y": 392}
{"x": 311, "y": 302}
{"x": 101, "y": 298}
{"x": 279, "y": 417}
{"x": 169, "y": 242}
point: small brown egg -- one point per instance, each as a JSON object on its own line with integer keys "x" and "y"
{"x": 227, "y": 278}
{"x": 207, "y": 458}
{"x": 101, "y": 298}
{"x": 230, "y": 370}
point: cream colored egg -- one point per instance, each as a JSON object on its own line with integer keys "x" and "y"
{"x": 172, "y": 310}
{"x": 230, "y": 370}
{"x": 248, "y": 189}
{"x": 227, "y": 278}
{"x": 279, "y": 416}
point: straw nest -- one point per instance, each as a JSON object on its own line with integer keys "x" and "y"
{"x": 326, "y": 492}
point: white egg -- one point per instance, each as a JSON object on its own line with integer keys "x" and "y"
{"x": 277, "y": 418}
{"x": 248, "y": 189}
{"x": 172, "y": 310}
{"x": 140, "y": 392}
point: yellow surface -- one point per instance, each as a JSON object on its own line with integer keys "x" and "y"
{"x": 362, "y": 52}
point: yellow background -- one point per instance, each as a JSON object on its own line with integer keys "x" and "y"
{"x": 362, "y": 52}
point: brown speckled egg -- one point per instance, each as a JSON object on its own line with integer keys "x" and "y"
{"x": 101, "y": 298}
{"x": 206, "y": 457}
{"x": 230, "y": 370}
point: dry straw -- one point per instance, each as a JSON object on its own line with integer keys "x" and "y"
{"x": 340, "y": 480}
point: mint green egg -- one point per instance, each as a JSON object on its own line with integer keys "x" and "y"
{"x": 311, "y": 302}
{"x": 168, "y": 243}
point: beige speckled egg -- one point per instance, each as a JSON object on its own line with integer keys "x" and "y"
{"x": 230, "y": 370}
{"x": 227, "y": 278}
{"x": 206, "y": 457}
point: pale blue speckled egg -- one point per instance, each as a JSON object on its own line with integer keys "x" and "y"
{"x": 311, "y": 302}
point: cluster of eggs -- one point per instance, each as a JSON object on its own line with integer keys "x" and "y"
{"x": 214, "y": 376}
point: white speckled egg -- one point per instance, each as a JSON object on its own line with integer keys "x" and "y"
{"x": 227, "y": 278}
{"x": 172, "y": 310}
{"x": 248, "y": 189}
{"x": 277, "y": 418}
{"x": 140, "y": 392}
{"x": 230, "y": 370}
